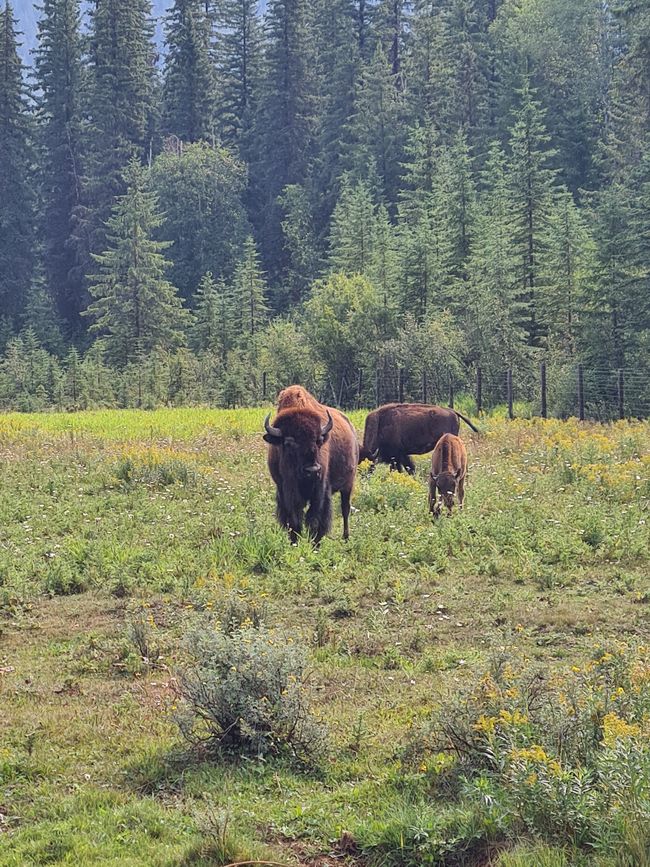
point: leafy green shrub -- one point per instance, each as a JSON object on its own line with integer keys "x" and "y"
{"x": 566, "y": 759}
{"x": 245, "y": 692}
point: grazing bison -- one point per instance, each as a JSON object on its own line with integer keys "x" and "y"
{"x": 396, "y": 431}
{"x": 313, "y": 454}
{"x": 448, "y": 472}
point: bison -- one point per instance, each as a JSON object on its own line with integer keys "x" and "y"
{"x": 448, "y": 472}
{"x": 313, "y": 454}
{"x": 396, "y": 431}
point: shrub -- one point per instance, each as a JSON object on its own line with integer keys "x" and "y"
{"x": 245, "y": 692}
{"x": 567, "y": 759}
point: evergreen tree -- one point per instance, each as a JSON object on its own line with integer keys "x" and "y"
{"x": 566, "y": 268}
{"x": 212, "y": 327}
{"x": 16, "y": 189}
{"x": 59, "y": 81}
{"x": 249, "y": 296}
{"x": 300, "y": 241}
{"x": 352, "y": 233}
{"x": 428, "y": 236}
{"x": 121, "y": 106}
{"x": 286, "y": 122}
{"x": 189, "y": 85}
{"x": 375, "y": 129}
{"x": 135, "y": 308}
{"x": 391, "y": 17}
{"x": 495, "y": 309}
{"x": 532, "y": 184}
{"x": 239, "y": 58}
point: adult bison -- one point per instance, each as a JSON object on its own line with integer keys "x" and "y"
{"x": 396, "y": 431}
{"x": 313, "y": 454}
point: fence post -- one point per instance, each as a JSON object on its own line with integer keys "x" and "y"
{"x": 401, "y": 384}
{"x": 264, "y": 385}
{"x": 451, "y": 393}
{"x": 359, "y": 387}
{"x": 511, "y": 413}
{"x": 542, "y": 371}
{"x": 377, "y": 385}
{"x": 479, "y": 390}
{"x": 425, "y": 389}
{"x": 581, "y": 393}
{"x": 621, "y": 393}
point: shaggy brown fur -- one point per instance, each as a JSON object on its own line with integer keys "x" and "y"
{"x": 308, "y": 466}
{"x": 448, "y": 473}
{"x": 397, "y": 430}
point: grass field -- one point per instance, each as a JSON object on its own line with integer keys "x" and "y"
{"x": 122, "y": 531}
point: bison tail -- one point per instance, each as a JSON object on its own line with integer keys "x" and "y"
{"x": 466, "y": 420}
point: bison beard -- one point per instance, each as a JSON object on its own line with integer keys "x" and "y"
{"x": 313, "y": 454}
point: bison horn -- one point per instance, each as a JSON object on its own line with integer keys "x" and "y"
{"x": 328, "y": 427}
{"x": 271, "y": 431}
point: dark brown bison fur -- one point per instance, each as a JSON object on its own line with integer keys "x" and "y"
{"x": 396, "y": 431}
{"x": 313, "y": 453}
{"x": 448, "y": 473}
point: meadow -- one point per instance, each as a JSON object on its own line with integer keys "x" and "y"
{"x": 483, "y": 681}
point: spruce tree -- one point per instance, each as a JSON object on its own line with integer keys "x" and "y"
{"x": 239, "y": 59}
{"x": 17, "y": 198}
{"x": 352, "y": 230}
{"x": 61, "y": 157}
{"x": 189, "y": 82}
{"x": 249, "y": 296}
{"x": 287, "y": 120}
{"x": 121, "y": 106}
{"x": 135, "y": 308}
{"x": 495, "y": 310}
{"x": 212, "y": 327}
{"x": 532, "y": 183}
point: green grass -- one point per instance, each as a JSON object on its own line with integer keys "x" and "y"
{"x": 110, "y": 516}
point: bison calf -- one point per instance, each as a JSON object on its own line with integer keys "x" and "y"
{"x": 448, "y": 472}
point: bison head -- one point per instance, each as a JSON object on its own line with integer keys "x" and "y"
{"x": 300, "y": 434}
{"x": 446, "y": 485}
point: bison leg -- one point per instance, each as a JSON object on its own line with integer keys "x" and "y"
{"x": 461, "y": 492}
{"x": 345, "y": 511}
{"x": 409, "y": 465}
{"x": 434, "y": 505}
{"x": 319, "y": 515}
{"x": 289, "y": 518}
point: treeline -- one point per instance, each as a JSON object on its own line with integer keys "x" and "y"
{"x": 318, "y": 193}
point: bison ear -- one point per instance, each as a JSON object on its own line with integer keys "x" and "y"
{"x": 273, "y": 440}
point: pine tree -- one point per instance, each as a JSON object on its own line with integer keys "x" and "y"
{"x": 352, "y": 232}
{"x": 495, "y": 310}
{"x": 287, "y": 120}
{"x": 532, "y": 183}
{"x": 339, "y": 66}
{"x": 428, "y": 236}
{"x": 239, "y": 59}
{"x": 16, "y": 191}
{"x": 566, "y": 267}
{"x": 189, "y": 84}
{"x": 249, "y": 296}
{"x": 213, "y": 317}
{"x": 300, "y": 241}
{"x": 135, "y": 308}
{"x": 391, "y": 22}
{"x": 121, "y": 106}
{"x": 376, "y": 128}
{"x": 59, "y": 80}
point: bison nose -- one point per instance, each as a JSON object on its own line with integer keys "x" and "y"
{"x": 312, "y": 470}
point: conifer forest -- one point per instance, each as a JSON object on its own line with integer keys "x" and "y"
{"x": 324, "y": 192}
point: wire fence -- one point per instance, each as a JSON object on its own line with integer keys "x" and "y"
{"x": 597, "y": 394}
